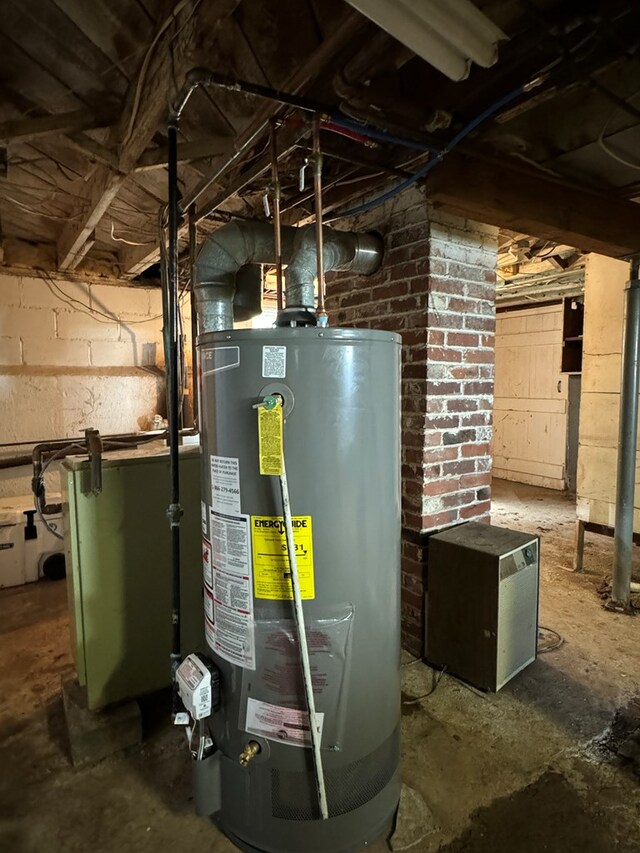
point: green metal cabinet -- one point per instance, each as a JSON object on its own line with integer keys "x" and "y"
{"x": 119, "y": 571}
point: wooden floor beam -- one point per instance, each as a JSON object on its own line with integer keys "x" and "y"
{"x": 531, "y": 203}
{"x": 136, "y": 259}
{"x": 24, "y": 129}
{"x": 145, "y": 110}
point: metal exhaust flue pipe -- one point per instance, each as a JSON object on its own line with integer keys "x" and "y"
{"x": 236, "y": 244}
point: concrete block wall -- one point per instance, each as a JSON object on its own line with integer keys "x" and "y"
{"x": 72, "y": 355}
{"x": 47, "y": 322}
{"x": 437, "y": 289}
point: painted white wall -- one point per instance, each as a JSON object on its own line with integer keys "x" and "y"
{"x": 74, "y": 355}
{"x": 604, "y": 311}
{"x": 530, "y": 408}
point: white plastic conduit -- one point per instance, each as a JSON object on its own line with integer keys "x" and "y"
{"x": 304, "y": 650}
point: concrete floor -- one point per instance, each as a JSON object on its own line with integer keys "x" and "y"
{"x": 517, "y": 772}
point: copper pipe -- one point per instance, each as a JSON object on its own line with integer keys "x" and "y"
{"x": 277, "y": 239}
{"x": 317, "y": 188}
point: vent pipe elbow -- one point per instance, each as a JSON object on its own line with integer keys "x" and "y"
{"x": 222, "y": 254}
{"x": 240, "y": 243}
{"x": 343, "y": 250}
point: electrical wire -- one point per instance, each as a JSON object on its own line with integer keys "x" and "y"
{"x": 128, "y": 242}
{"x": 358, "y": 179}
{"x": 59, "y": 217}
{"x": 42, "y": 518}
{"x": 631, "y": 164}
{"x": 436, "y": 679}
{"x": 87, "y": 309}
{"x": 369, "y": 130}
{"x": 411, "y": 662}
{"x": 145, "y": 65}
{"x": 548, "y": 645}
{"x": 40, "y": 480}
{"x": 430, "y": 164}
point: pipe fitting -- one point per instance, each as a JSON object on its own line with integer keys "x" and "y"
{"x": 342, "y": 250}
{"x": 249, "y": 752}
{"x": 239, "y": 243}
{"x": 221, "y": 256}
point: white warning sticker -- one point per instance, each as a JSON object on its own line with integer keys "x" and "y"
{"x": 207, "y": 573}
{"x": 208, "y": 604}
{"x": 204, "y": 512}
{"x": 225, "y": 485}
{"x": 231, "y": 632}
{"x": 209, "y": 633}
{"x": 275, "y": 722}
{"x": 274, "y": 362}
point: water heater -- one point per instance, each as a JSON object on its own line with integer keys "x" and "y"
{"x": 340, "y": 395}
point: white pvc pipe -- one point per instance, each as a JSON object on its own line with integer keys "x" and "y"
{"x": 304, "y": 650}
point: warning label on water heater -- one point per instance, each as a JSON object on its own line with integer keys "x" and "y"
{"x": 225, "y": 485}
{"x": 270, "y": 441}
{"x": 271, "y": 572}
{"x": 229, "y": 626}
{"x": 206, "y": 564}
{"x": 275, "y": 722}
{"x": 274, "y": 362}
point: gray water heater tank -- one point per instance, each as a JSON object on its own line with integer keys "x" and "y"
{"x": 341, "y": 394}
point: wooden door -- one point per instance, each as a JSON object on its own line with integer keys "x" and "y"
{"x": 530, "y": 408}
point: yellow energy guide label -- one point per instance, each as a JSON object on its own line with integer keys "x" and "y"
{"x": 271, "y": 574}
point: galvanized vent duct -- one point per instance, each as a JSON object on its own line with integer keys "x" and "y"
{"x": 343, "y": 250}
{"x": 222, "y": 254}
{"x": 240, "y": 243}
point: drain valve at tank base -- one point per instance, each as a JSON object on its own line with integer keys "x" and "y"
{"x": 249, "y": 752}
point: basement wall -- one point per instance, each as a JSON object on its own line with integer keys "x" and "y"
{"x": 64, "y": 367}
{"x": 531, "y": 397}
{"x": 604, "y": 311}
{"x": 437, "y": 289}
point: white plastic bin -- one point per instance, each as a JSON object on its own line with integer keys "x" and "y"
{"x": 12, "y": 562}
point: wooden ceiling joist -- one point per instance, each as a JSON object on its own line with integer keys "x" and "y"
{"x": 75, "y": 121}
{"x": 199, "y": 149}
{"x": 136, "y": 259}
{"x": 94, "y": 150}
{"x": 531, "y": 203}
{"x": 146, "y": 108}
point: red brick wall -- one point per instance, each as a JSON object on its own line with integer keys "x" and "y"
{"x": 436, "y": 287}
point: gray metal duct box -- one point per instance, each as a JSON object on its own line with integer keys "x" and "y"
{"x": 482, "y": 603}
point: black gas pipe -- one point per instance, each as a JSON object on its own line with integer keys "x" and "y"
{"x": 170, "y": 321}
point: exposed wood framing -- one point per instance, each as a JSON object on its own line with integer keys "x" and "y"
{"x": 18, "y": 255}
{"x": 134, "y": 262}
{"x": 94, "y": 150}
{"x": 530, "y": 203}
{"x": 360, "y": 156}
{"x": 29, "y": 128}
{"x": 156, "y": 158}
{"x": 286, "y": 142}
{"x": 100, "y": 192}
{"x": 172, "y": 57}
{"x": 343, "y": 34}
